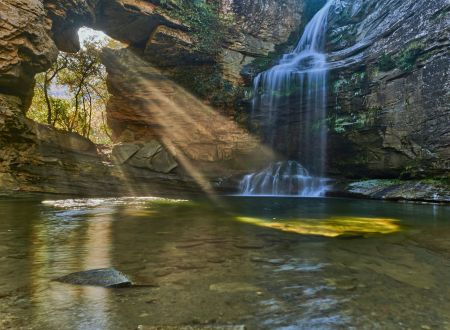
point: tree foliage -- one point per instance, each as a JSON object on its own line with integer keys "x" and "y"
{"x": 72, "y": 94}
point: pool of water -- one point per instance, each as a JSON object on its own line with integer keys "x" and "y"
{"x": 266, "y": 263}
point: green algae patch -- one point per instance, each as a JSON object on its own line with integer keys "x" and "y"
{"x": 331, "y": 227}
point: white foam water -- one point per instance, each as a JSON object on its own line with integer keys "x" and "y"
{"x": 283, "y": 179}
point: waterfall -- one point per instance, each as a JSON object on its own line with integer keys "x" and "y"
{"x": 282, "y": 179}
{"x": 292, "y": 95}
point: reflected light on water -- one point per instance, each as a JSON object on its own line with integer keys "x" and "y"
{"x": 98, "y": 255}
{"x": 332, "y": 227}
{"x": 72, "y": 250}
{"x": 94, "y": 202}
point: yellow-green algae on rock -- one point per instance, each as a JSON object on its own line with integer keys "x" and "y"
{"x": 331, "y": 227}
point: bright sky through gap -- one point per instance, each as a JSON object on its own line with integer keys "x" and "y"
{"x": 86, "y": 33}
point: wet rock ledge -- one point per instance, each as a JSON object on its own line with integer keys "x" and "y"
{"x": 426, "y": 191}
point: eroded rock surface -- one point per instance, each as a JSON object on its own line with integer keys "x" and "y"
{"x": 421, "y": 191}
{"x": 151, "y": 155}
{"x": 164, "y": 111}
{"x": 389, "y": 108}
{"x": 39, "y": 158}
{"x": 25, "y": 46}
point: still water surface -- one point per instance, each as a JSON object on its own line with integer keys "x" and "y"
{"x": 264, "y": 262}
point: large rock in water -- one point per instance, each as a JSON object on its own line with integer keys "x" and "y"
{"x": 106, "y": 277}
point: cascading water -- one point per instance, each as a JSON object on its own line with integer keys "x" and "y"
{"x": 297, "y": 83}
{"x": 282, "y": 179}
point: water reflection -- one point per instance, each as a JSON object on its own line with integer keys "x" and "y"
{"x": 201, "y": 265}
{"x": 98, "y": 255}
{"x": 58, "y": 249}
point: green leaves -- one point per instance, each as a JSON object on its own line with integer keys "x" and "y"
{"x": 409, "y": 56}
{"x": 386, "y": 63}
{"x": 72, "y": 94}
{"x": 404, "y": 61}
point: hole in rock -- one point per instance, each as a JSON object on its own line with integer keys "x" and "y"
{"x": 72, "y": 94}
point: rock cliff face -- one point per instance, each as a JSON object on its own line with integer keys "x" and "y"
{"x": 202, "y": 48}
{"x": 146, "y": 105}
{"x": 184, "y": 81}
{"x": 389, "y": 101}
{"x": 26, "y": 47}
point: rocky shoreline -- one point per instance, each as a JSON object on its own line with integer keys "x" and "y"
{"x": 419, "y": 191}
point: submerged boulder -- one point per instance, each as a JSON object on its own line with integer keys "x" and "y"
{"x": 105, "y": 277}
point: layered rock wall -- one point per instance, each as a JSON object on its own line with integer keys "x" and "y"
{"x": 38, "y": 158}
{"x": 186, "y": 85}
{"x": 389, "y": 98}
{"x": 146, "y": 105}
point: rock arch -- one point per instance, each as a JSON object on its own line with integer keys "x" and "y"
{"x": 33, "y": 32}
